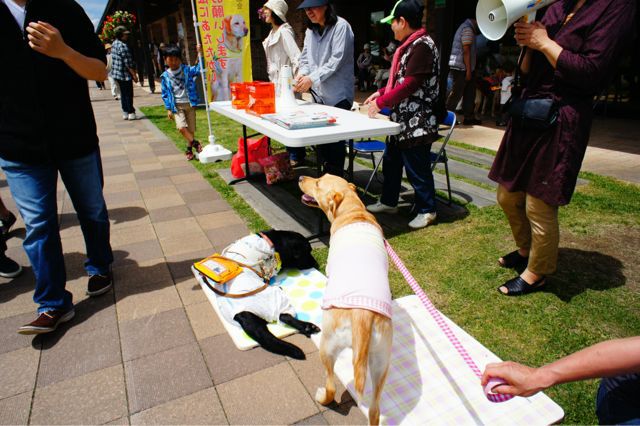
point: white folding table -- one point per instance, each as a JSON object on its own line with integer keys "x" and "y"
{"x": 349, "y": 126}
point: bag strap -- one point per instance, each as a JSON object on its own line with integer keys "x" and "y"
{"x": 517, "y": 77}
{"x": 232, "y": 295}
{"x": 236, "y": 295}
{"x": 244, "y": 265}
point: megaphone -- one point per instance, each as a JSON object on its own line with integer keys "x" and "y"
{"x": 286, "y": 99}
{"x": 496, "y": 16}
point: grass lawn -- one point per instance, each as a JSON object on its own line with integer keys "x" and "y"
{"x": 595, "y": 295}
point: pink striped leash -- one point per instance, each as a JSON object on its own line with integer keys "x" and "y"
{"x": 437, "y": 316}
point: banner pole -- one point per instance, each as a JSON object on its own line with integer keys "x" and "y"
{"x": 218, "y": 152}
{"x": 203, "y": 70}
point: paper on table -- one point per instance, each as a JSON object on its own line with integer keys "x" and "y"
{"x": 300, "y": 119}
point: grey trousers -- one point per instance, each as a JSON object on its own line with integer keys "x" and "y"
{"x": 462, "y": 89}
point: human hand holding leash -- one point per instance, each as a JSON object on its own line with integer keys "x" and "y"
{"x": 519, "y": 379}
{"x": 605, "y": 359}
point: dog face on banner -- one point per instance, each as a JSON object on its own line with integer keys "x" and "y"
{"x": 235, "y": 27}
{"x": 234, "y": 31}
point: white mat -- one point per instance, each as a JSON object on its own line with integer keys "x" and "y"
{"x": 429, "y": 383}
{"x": 305, "y": 290}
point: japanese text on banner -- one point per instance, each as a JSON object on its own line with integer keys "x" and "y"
{"x": 226, "y": 46}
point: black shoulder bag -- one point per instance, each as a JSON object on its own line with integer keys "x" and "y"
{"x": 534, "y": 114}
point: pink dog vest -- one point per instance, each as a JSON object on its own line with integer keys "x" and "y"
{"x": 357, "y": 270}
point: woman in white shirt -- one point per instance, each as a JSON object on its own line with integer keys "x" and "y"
{"x": 280, "y": 45}
{"x": 281, "y": 49}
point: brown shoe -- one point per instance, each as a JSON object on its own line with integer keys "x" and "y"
{"x": 47, "y": 322}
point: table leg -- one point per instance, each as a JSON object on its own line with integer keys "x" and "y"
{"x": 351, "y": 157}
{"x": 320, "y": 224}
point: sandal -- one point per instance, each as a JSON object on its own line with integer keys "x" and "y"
{"x": 197, "y": 146}
{"x": 518, "y": 286}
{"x": 514, "y": 260}
{"x": 189, "y": 154}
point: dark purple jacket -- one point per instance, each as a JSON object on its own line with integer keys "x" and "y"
{"x": 546, "y": 163}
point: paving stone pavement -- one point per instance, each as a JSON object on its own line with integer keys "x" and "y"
{"x": 151, "y": 351}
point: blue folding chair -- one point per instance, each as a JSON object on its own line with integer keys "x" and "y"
{"x": 440, "y": 157}
{"x": 372, "y": 147}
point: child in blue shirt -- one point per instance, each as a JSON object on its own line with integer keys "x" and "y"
{"x": 181, "y": 97}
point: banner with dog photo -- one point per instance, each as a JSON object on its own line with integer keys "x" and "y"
{"x": 224, "y": 31}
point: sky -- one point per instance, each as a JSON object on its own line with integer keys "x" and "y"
{"x": 94, "y": 8}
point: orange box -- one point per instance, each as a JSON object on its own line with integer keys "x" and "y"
{"x": 239, "y": 95}
{"x": 262, "y": 98}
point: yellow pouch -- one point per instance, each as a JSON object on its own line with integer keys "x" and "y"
{"x": 218, "y": 268}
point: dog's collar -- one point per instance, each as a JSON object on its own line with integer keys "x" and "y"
{"x": 231, "y": 49}
{"x": 275, "y": 253}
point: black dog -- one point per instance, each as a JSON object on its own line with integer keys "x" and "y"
{"x": 295, "y": 252}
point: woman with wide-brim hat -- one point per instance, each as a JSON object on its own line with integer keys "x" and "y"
{"x": 280, "y": 45}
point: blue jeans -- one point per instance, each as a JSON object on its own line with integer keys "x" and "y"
{"x": 617, "y": 400}
{"x": 416, "y": 162}
{"x": 33, "y": 187}
{"x": 126, "y": 96}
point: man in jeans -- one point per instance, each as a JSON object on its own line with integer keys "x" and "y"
{"x": 123, "y": 72}
{"x": 54, "y": 51}
{"x": 462, "y": 64}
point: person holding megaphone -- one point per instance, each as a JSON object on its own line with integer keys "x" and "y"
{"x": 567, "y": 59}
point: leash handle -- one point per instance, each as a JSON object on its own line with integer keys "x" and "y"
{"x": 437, "y": 316}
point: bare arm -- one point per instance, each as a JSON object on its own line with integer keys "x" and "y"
{"x": 466, "y": 57}
{"x": 46, "y": 39}
{"x": 606, "y": 359}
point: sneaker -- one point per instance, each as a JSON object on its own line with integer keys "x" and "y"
{"x": 132, "y": 116}
{"x": 125, "y": 116}
{"x": 6, "y": 223}
{"x": 422, "y": 220}
{"x": 471, "y": 122}
{"x": 99, "y": 284}
{"x": 8, "y": 267}
{"x": 381, "y": 208}
{"x": 47, "y": 322}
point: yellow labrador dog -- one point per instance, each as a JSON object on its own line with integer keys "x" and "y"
{"x": 357, "y": 300}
